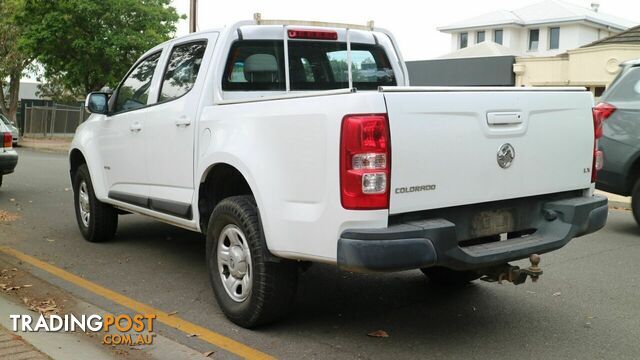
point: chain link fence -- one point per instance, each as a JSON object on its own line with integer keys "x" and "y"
{"x": 54, "y": 120}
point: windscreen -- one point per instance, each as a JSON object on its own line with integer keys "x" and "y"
{"x": 255, "y": 65}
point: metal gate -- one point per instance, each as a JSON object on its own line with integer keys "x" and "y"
{"x": 56, "y": 120}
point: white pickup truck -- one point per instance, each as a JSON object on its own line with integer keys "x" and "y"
{"x": 288, "y": 142}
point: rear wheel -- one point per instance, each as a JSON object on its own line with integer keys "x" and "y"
{"x": 635, "y": 201}
{"x": 250, "y": 289}
{"x": 97, "y": 221}
{"x": 446, "y": 277}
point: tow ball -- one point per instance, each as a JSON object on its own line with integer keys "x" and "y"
{"x": 514, "y": 274}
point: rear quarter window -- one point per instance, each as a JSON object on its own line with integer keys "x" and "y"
{"x": 627, "y": 87}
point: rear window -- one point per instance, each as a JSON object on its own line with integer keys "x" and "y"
{"x": 255, "y": 65}
{"x": 627, "y": 87}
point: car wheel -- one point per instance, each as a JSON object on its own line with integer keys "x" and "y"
{"x": 97, "y": 221}
{"x": 635, "y": 201}
{"x": 250, "y": 289}
{"x": 442, "y": 276}
{"x": 0, "y": 180}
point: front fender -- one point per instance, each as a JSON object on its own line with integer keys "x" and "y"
{"x": 84, "y": 142}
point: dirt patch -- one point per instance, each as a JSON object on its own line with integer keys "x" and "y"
{"x": 7, "y": 217}
{"x": 32, "y": 292}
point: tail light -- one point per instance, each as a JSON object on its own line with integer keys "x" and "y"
{"x": 365, "y": 162}
{"x": 601, "y": 112}
{"x": 7, "y": 140}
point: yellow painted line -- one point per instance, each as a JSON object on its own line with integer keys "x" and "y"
{"x": 176, "y": 322}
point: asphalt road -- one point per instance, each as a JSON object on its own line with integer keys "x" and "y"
{"x": 586, "y": 305}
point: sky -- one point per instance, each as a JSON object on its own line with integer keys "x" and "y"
{"x": 413, "y": 22}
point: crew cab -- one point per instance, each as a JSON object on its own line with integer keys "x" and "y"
{"x": 290, "y": 142}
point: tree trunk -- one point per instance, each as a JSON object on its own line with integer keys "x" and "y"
{"x": 14, "y": 92}
{"x": 3, "y": 104}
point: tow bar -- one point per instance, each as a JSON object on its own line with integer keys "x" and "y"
{"x": 514, "y": 274}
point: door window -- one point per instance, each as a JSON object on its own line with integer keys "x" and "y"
{"x": 134, "y": 91}
{"x": 182, "y": 70}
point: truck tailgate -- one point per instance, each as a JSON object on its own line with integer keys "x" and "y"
{"x": 445, "y": 145}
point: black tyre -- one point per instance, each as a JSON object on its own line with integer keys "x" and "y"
{"x": 442, "y": 276}
{"x": 635, "y": 201}
{"x": 250, "y": 289}
{"x": 97, "y": 221}
{"x": 0, "y": 180}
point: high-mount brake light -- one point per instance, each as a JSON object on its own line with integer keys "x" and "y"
{"x": 312, "y": 34}
{"x": 365, "y": 159}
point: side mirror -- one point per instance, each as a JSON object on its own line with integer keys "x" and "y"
{"x": 97, "y": 103}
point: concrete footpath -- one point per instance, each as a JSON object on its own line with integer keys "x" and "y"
{"x": 13, "y": 347}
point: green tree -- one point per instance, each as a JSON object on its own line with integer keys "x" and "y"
{"x": 88, "y": 44}
{"x": 13, "y": 58}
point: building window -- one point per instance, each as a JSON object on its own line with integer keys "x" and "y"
{"x": 464, "y": 38}
{"x": 479, "y": 37}
{"x": 554, "y": 38}
{"x": 497, "y": 36}
{"x": 534, "y": 37}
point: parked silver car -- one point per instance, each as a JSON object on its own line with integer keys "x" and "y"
{"x": 8, "y": 156}
{"x": 14, "y": 130}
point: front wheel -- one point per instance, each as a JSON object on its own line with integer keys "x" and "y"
{"x": 97, "y": 221}
{"x": 250, "y": 289}
{"x": 450, "y": 278}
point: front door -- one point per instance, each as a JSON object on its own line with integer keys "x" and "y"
{"x": 122, "y": 141}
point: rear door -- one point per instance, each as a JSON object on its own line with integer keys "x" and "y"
{"x": 453, "y": 148}
{"x": 171, "y": 128}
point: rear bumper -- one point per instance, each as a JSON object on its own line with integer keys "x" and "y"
{"x": 435, "y": 241}
{"x": 8, "y": 161}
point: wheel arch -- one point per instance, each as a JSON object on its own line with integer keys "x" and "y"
{"x": 633, "y": 172}
{"x": 218, "y": 181}
{"x": 222, "y": 180}
{"x": 76, "y": 159}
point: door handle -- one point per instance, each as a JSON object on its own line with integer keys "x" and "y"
{"x": 183, "y": 121}
{"x": 504, "y": 118}
{"x": 135, "y": 127}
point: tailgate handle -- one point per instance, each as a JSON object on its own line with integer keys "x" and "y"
{"x": 504, "y": 118}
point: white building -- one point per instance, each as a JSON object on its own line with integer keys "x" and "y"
{"x": 544, "y": 29}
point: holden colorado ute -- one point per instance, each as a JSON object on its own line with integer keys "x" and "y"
{"x": 290, "y": 142}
